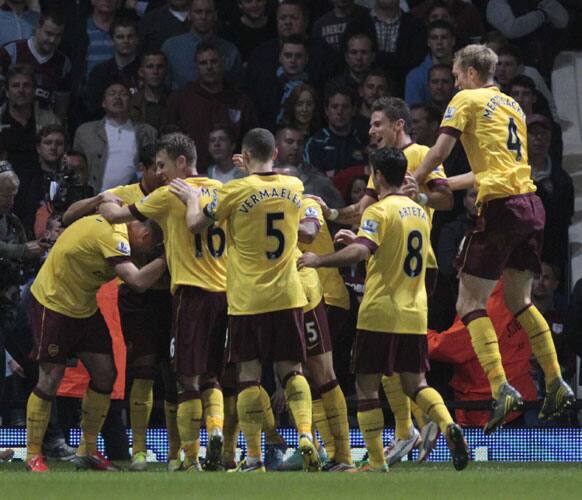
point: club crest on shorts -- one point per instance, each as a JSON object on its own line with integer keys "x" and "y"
{"x": 449, "y": 113}
{"x": 124, "y": 248}
{"x": 53, "y": 350}
{"x": 370, "y": 226}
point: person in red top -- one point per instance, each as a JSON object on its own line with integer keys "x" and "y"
{"x": 469, "y": 382}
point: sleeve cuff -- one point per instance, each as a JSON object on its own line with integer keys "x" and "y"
{"x": 136, "y": 213}
{"x": 452, "y": 131}
{"x": 372, "y": 192}
{"x": 436, "y": 184}
{"x": 362, "y": 240}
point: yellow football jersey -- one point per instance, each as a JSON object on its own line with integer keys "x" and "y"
{"x": 263, "y": 212}
{"x": 335, "y": 292}
{"x": 82, "y": 260}
{"x": 311, "y": 286}
{"x": 131, "y": 193}
{"x": 193, "y": 259}
{"x": 492, "y": 129}
{"x": 395, "y": 294}
{"x": 415, "y": 153}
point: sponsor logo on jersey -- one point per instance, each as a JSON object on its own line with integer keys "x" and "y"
{"x": 370, "y": 226}
{"x": 449, "y": 113}
{"x": 310, "y": 212}
{"x": 124, "y": 248}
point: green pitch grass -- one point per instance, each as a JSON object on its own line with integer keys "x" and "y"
{"x": 480, "y": 481}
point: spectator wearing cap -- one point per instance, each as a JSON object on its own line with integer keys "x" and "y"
{"x": 122, "y": 67}
{"x": 111, "y": 145}
{"x": 554, "y": 187}
{"x": 208, "y": 101}
{"x": 441, "y": 42}
{"x": 180, "y": 50}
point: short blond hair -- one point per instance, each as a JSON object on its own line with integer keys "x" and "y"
{"x": 479, "y": 57}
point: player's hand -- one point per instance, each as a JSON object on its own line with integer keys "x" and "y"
{"x": 107, "y": 197}
{"x": 308, "y": 259}
{"x": 410, "y": 187}
{"x": 184, "y": 191}
{"x": 344, "y": 237}
{"x": 237, "y": 159}
{"x": 35, "y": 249}
{"x": 324, "y": 208}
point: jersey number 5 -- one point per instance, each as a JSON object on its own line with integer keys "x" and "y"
{"x": 413, "y": 259}
{"x": 211, "y": 232}
{"x": 275, "y": 233}
{"x": 513, "y": 142}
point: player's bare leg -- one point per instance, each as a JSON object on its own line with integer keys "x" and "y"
{"x": 471, "y": 307}
{"x": 334, "y": 403}
{"x": 38, "y": 412}
{"x": 431, "y": 403}
{"x": 517, "y": 293}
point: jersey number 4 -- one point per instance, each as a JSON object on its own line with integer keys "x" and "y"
{"x": 513, "y": 142}
{"x": 413, "y": 259}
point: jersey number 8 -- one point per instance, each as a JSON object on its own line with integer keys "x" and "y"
{"x": 413, "y": 259}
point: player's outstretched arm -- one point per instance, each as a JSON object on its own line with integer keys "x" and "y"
{"x": 352, "y": 254}
{"x": 347, "y": 215}
{"x": 462, "y": 181}
{"x": 196, "y": 219}
{"x": 114, "y": 214}
{"x": 140, "y": 279}
{"x": 88, "y": 206}
{"x": 435, "y": 156}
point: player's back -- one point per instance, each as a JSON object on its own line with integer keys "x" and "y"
{"x": 193, "y": 259}
{"x": 493, "y": 133}
{"x": 263, "y": 222}
{"x": 82, "y": 260}
{"x": 395, "y": 294}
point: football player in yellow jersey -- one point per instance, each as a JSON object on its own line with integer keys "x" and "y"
{"x": 390, "y": 122}
{"x": 198, "y": 284}
{"x": 508, "y": 238}
{"x": 265, "y": 296}
{"x": 65, "y": 320}
{"x": 392, "y": 320}
{"x": 146, "y": 324}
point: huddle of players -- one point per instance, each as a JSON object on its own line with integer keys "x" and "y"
{"x": 275, "y": 313}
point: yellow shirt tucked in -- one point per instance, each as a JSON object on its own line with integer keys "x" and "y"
{"x": 193, "y": 259}
{"x": 82, "y": 260}
{"x": 335, "y": 292}
{"x": 397, "y": 230}
{"x": 492, "y": 129}
{"x": 263, "y": 212}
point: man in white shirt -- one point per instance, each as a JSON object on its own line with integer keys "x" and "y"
{"x": 111, "y": 144}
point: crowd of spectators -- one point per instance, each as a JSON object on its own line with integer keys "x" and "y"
{"x": 86, "y": 85}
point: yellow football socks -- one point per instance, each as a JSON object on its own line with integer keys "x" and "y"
{"x": 95, "y": 406}
{"x": 334, "y": 403}
{"x": 399, "y": 404}
{"x": 231, "y": 429}
{"x": 189, "y": 418}
{"x": 418, "y": 414}
{"x": 141, "y": 401}
{"x": 171, "y": 413}
{"x": 213, "y": 405}
{"x": 298, "y": 398}
{"x": 38, "y": 414}
{"x": 251, "y": 416}
{"x": 371, "y": 422}
{"x": 431, "y": 403}
{"x": 486, "y": 346}
{"x": 321, "y": 424}
{"x": 542, "y": 344}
